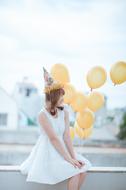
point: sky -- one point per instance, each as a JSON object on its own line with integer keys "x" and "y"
{"x": 79, "y": 34}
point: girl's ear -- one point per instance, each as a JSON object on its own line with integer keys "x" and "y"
{"x": 62, "y": 91}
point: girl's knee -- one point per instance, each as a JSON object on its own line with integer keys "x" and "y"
{"x": 83, "y": 174}
{"x": 77, "y": 176}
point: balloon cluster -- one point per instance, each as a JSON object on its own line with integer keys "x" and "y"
{"x": 87, "y": 104}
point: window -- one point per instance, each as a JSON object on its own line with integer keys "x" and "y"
{"x": 3, "y": 119}
{"x": 28, "y": 92}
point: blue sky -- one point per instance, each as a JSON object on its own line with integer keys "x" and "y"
{"x": 79, "y": 34}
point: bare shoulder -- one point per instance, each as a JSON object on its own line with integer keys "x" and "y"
{"x": 46, "y": 125}
{"x": 42, "y": 116}
{"x": 43, "y": 119}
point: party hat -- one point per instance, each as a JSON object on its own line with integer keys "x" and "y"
{"x": 50, "y": 83}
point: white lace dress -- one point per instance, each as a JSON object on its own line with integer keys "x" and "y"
{"x": 45, "y": 164}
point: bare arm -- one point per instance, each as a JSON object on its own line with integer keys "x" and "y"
{"x": 43, "y": 120}
{"x": 67, "y": 138}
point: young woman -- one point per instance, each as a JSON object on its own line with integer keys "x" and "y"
{"x": 53, "y": 158}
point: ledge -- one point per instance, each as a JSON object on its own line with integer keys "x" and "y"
{"x": 15, "y": 168}
{"x": 97, "y": 178}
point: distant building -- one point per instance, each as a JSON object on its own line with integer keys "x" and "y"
{"x": 28, "y": 99}
{"x": 21, "y": 108}
{"x": 100, "y": 115}
{"x": 8, "y": 111}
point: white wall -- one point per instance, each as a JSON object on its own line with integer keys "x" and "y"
{"x": 9, "y": 106}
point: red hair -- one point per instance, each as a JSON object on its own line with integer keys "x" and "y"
{"x": 53, "y": 98}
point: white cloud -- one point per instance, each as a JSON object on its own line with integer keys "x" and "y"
{"x": 76, "y": 33}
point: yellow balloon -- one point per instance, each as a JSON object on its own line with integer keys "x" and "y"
{"x": 96, "y": 77}
{"x": 60, "y": 73}
{"x": 79, "y": 102}
{"x": 95, "y": 101}
{"x": 87, "y": 132}
{"x": 72, "y": 132}
{"x": 78, "y": 130}
{"x": 82, "y": 133}
{"x": 85, "y": 119}
{"x": 118, "y": 72}
{"x": 69, "y": 93}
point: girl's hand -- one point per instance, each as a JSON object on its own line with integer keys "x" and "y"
{"x": 75, "y": 163}
{"x": 81, "y": 162}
